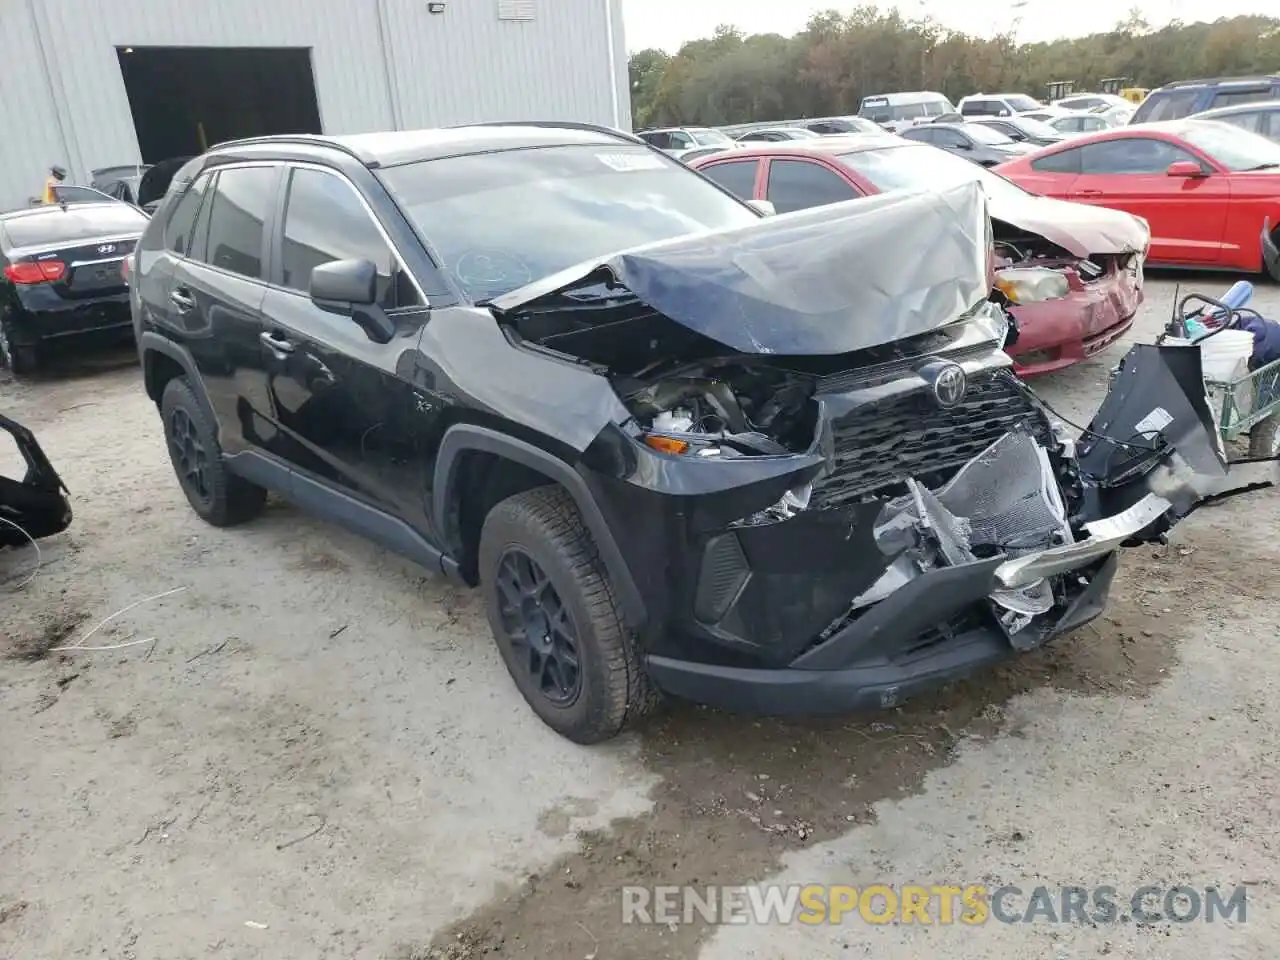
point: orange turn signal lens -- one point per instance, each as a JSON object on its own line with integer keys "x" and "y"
{"x": 666, "y": 444}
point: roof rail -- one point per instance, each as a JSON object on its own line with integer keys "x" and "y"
{"x": 307, "y": 139}
{"x": 1263, "y": 78}
{"x": 553, "y": 124}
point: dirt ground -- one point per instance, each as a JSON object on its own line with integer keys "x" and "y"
{"x": 315, "y": 752}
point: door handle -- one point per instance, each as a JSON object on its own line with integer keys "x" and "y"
{"x": 281, "y": 348}
{"x": 183, "y": 301}
{"x": 1088, "y": 193}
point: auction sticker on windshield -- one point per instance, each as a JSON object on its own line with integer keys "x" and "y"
{"x": 628, "y": 162}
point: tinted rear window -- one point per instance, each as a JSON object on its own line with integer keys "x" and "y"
{"x": 1167, "y": 105}
{"x": 73, "y": 224}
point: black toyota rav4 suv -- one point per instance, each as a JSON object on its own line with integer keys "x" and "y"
{"x": 776, "y": 464}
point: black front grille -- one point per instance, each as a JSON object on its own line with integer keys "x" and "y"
{"x": 880, "y": 445}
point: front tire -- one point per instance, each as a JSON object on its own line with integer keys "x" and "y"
{"x": 555, "y": 619}
{"x": 217, "y": 495}
{"x": 1273, "y": 271}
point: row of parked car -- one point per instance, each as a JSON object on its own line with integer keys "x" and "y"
{"x": 1004, "y": 120}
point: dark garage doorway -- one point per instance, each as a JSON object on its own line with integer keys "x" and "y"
{"x": 186, "y": 99}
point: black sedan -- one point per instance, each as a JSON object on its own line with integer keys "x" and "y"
{"x": 1023, "y": 130}
{"x": 972, "y": 141}
{"x": 63, "y": 276}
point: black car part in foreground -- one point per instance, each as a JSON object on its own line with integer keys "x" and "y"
{"x": 775, "y": 464}
{"x": 61, "y": 276}
{"x": 35, "y": 506}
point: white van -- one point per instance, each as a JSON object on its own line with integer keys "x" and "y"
{"x": 898, "y": 111}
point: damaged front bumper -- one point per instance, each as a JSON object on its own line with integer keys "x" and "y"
{"x": 1055, "y": 334}
{"x": 864, "y": 603}
{"x": 893, "y": 652}
{"x": 982, "y": 568}
{"x": 35, "y": 506}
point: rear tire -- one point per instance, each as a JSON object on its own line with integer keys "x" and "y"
{"x": 217, "y": 495}
{"x": 20, "y": 359}
{"x": 555, "y": 619}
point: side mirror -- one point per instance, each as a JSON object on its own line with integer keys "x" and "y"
{"x": 1185, "y": 168}
{"x": 763, "y": 206}
{"x": 345, "y": 282}
{"x": 350, "y": 287}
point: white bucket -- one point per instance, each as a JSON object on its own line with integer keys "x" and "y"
{"x": 1224, "y": 357}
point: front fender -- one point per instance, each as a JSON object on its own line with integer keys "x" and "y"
{"x": 464, "y": 437}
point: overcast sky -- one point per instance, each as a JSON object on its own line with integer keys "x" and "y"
{"x": 668, "y": 23}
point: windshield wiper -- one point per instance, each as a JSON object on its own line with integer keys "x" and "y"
{"x": 1270, "y": 165}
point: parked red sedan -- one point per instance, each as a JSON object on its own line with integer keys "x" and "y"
{"x": 1209, "y": 190}
{"x": 1073, "y": 273}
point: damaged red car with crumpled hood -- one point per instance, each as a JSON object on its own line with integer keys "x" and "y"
{"x": 1072, "y": 273}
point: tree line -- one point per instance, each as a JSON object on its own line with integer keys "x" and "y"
{"x": 826, "y": 69}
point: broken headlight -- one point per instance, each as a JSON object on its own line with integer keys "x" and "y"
{"x": 1032, "y": 284}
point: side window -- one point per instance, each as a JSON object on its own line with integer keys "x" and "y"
{"x": 325, "y": 220}
{"x": 909, "y": 111}
{"x": 1133, "y": 155}
{"x": 181, "y": 226}
{"x": 738, "y": 177}
{"x": 681, "y": 141}
{"x": 950, "y": 138}
{"x": 1171, "y": 105}
{"x": 1246, "y": 121}
{"x": 1064, "y": 161}
{"x": 1226, "y": 98}
{"x": 923, "y": 134}
{"x": 801, "y": 184}
{"x": 823, "y": 128}
{"x": 238, "y": 209}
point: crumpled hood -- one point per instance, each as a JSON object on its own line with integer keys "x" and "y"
{"x": 823, "y": 281}
{"x": 1078, "y": 228}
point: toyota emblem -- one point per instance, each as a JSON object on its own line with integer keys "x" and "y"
{"x": 948, "y": 382}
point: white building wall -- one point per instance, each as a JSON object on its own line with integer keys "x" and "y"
{"x": 378, "y": 64}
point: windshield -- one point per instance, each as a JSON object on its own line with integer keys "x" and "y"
{"x": 984, "y": 134}
{"x": 1035, "y": 128}
{"x": 1233, "y": 147}
{"x": 709, "y": 138}
{"x": 502, "y": 220}
{"x": 921, "y": 167}
{"x": 1020, "y": 102}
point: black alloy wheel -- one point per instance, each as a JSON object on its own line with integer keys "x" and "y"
{"x": 555, "y": 620}
{"x": 539, "y": 628}
{"x": 190, "y": 458}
